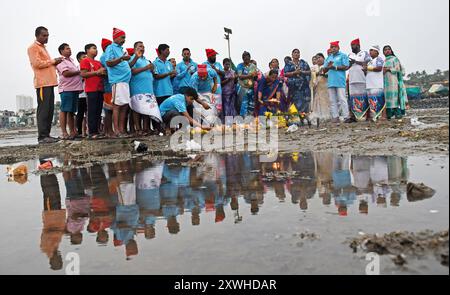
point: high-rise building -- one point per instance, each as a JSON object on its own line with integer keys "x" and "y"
{"x": 24, "y": 103}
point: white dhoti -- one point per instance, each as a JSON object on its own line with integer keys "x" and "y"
{"x": 147, "y": 105}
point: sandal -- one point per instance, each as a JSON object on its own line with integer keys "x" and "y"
{"x": 96, "y": 137}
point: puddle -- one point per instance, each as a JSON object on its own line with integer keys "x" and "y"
{"x": 219, "y": 214}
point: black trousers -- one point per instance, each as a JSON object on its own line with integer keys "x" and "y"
{"x": 50, "y": 190}
{"x": 169, "y": 116}
{"x": 45, "y": 111}
{"x": 82, "y": 110}
{"x": 95, "y": 107}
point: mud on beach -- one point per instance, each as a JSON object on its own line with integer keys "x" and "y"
{"x": 431, "y": 137}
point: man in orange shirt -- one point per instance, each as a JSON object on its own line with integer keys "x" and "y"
{"x": 45, "y": 80}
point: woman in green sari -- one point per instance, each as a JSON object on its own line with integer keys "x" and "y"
{"x": 394, "y": 86}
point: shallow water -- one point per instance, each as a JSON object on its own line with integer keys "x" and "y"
{"x": 224, "y": 214}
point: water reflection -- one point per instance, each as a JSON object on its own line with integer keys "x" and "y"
{"x": 128, "y": 199}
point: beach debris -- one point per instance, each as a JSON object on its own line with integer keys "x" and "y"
{"x": 419, "y": 192}
{"x": 45, "y": 165}
{"x": 20, "y": 170}
{"x": 192, "y": 145}
{"x": 399, "y": 260}
{"x": 17, "y": 174}
{"x": 140, "y": 147}
{"x": 416, "y": 123}
{"x": 292, "y": 129}
{"x": 403, "y": 245}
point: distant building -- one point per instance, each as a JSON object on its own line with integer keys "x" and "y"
{"x": 24, "y": 103}
{"x": 5, "y": 118}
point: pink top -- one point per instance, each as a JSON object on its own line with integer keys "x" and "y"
{"x": 69, "y": 84}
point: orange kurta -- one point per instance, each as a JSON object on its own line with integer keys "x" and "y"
{"x": 43, "y": 66}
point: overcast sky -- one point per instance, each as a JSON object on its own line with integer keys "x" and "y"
{"x": 418, "y": 30}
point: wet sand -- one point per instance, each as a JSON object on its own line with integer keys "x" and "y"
{"x": 364, "y": 138}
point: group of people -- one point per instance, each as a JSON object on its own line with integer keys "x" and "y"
{"x": 140, "y": 97}
{"x": 117, "y": 202}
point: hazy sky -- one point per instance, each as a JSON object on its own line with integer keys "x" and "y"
{"x": 418, "y": 30}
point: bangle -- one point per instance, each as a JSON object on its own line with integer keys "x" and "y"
{"x": 335, "y": 68}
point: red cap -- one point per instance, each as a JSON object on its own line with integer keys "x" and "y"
{"x": 130, "y": 51}
{"x": 118, "y": 33}
{"x": 105, "y": 43}
{"x": 356, "y": 42}
{"x": 334, "y": 44}
{"x": 202, "y": 70}
{"x": 157, "y": 51}
{"x": 211, "y": 53}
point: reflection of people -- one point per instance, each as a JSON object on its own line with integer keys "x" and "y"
{"x": 395, "y": 199}
{"x": 220, "y": 213}
{"x": 280, "y": 191}
{"x": 131, "y": 249}
{"x": 304, "y": 186}
{"x": 77, "y": 204}
{"x": 345, "y": 193}
{"x": 364, "y": 207}
{"x": 148, "y": 198}
{"x": 173, "y": 225}
{"x": 398, "y": 176}
{"x": 175, "y": 180}
{"x": 361, "y": 173}
{"x": 102, "y": 206}
{"x": 127, "y": 212}
{"x": 53, "y": 220}
{"x": 324, "y": 169}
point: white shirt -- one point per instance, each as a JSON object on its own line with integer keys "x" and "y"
{"x": 356, "y": 72}
{"x": 375, "y": 80}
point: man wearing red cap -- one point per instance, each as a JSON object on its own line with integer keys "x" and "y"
{"x": 358, "y": 101}
{"x": 206, "y": 83}
{"x": 119, "y": 75}
{"x": 336, "y": 65}
{"x": 212, "y": 63}
{"x": 107, "y": 96}
{"x": 143, "y": 99}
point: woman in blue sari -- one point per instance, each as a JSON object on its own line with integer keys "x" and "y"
{"x": 298, "y": 74}
{"x": 247, "y": 73}
{"x": 269, "y": 93}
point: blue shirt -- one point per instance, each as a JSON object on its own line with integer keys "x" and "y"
{"x": 163, "y": 87}
{"x": 337, "y": 79}
{"x": 121, "y": 73}
{"x": 107, "y": 86}
{"x": 219, "y": 80}
{"x": 204, "y": 86}
{"x": 183, "y": 75}
{"x": 141, "y": 83}
{"x": 176, "y": 102}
